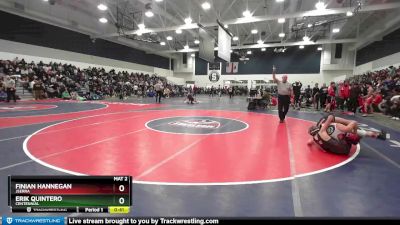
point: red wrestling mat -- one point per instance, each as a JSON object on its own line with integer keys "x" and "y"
{"x": 183, "y": 147}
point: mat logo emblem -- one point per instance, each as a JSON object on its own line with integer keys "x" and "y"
{"x": 197, "y": 123}
{"x": 9, "y": 220}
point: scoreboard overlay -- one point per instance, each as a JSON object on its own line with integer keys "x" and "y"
{"x": 90, "y": 194}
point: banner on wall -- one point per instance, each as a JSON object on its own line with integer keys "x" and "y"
{"x": 214, "y": 71}
{"x": 232, "y": 67}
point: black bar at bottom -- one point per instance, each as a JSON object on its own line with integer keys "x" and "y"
{"x": 44, "y": 209}
{"x": 202, "y": 221}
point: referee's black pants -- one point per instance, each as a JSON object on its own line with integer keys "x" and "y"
{"x": 283, "y": 106}
{"x": 159, "y": 94}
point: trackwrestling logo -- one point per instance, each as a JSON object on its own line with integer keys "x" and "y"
{"x": 21, "y": 220}
{"x": 197, "y": 123}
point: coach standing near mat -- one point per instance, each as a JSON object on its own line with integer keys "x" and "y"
{"x": 284, "y": 93}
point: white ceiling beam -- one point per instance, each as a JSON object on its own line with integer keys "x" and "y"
{"x": 226, "y": 10}
{"x": 254, "y": 19}
{"x": 286, "y": 44}
{"x": 376, "y": 31}
{"x": 162, "y": 12}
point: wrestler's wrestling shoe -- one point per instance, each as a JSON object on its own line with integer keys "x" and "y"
{"x": 383, "y": 135}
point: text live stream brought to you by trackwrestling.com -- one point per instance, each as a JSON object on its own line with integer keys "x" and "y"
{"x": 20, "y": 220}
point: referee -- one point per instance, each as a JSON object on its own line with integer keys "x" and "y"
{"x": 284, "y": 93}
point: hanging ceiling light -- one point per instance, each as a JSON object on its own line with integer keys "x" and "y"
{"x": 263, "y": 49}
{"x": 260, "y": 42}
{"x": 149, "y": 13}
{"x": 281, "y": 35}
{"x": 320, "y": 5}
{"x": 169, "y": 38}
{"x": 247, "y": 13}
{"x": 301, "y": 46}
{"x": 248, "y": 52}
{"x": 188, "y": 20}
{"x": 309, "y": 25}
{"x": 235, "y": 38}
{"x": 162, "y": 43}
{"x": 281, "y": 20}
{"x": 336, "y": 30}
{"x": 319, "y": 48}
{"x": 179, "y": 31}
{"x": 206, "y": 5}
{"x": 103, "y": 20}
{"x": 196, "y": 42}
{"x": 186, "y": 47}
{"x": 193, "y": 55}
{"x": 349, "y": 13}
{"x": 254, "y": 31}
{"x": 306, "y": 38}
{"x": 102, "y": 7}
{"x": 159, "y": 0}
{"x": 141, "y": 26}
{"x": 226, "y": 26}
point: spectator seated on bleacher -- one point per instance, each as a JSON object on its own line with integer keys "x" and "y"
{"x": 3, "y": 96}
{"x": 75, "y": 96}
{"x": 377, "y": 99}
{"x": 93, "y": 96}
{"x": 71, "y": 78}
{"x": 395, "y": 107}
{"x": 51, "y": 92}
{"x": 390, "y": 106}
{"x": 150, "y": 93}
{"x": 265, "y": 99}
{"x": 3, "y": 93}
{"x": 65, "y": 95}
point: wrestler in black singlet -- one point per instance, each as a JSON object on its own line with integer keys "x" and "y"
{"x": 336, "y": 144}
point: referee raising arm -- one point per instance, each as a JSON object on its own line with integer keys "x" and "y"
{"x": 284, "y": 93}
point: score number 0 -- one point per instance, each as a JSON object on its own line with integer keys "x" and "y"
{"x": 121, "y": 200}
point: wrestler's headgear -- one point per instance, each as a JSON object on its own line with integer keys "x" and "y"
{"x": 352, "y": 138}
{"x": 313, "y": 130}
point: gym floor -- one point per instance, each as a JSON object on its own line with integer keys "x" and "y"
{"x": 212, "y": 159}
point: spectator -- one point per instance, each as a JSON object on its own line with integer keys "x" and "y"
{"x": 323, "y": 94}
{"x": 331, "y": 100}
{"x": 37, "y": 89}
{"x": 297, "y": 91}
{"x": 316, "y": 95}
{"x": 344, "y": 95}
{"x": 10, "y": 88}
{"x": 230, "y": 91}
{"x": 367, "y": 99}
{"x": 355, "y": 93}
